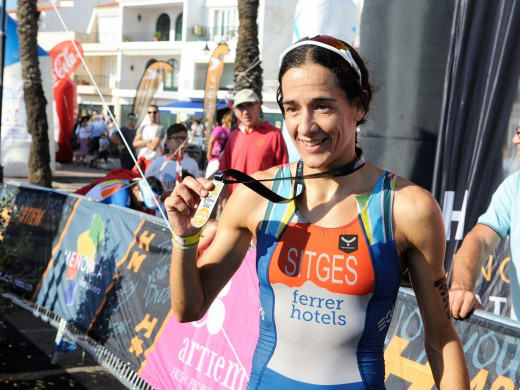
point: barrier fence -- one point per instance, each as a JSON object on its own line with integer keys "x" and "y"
{"x": 100, "y": 274}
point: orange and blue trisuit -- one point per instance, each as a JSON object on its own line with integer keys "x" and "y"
{"x": 326, "y": 295}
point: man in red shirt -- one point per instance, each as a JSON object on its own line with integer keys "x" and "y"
{"x": 256, "y": 145}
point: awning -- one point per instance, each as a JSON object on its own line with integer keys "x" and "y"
{"x": 193, "y": 106}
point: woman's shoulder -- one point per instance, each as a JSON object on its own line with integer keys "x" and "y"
{"x": 414, "y": 205}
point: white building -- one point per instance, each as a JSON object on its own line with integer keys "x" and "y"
{"x": 120, "y": 38}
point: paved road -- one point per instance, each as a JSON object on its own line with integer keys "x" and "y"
{"x": 25, "y": 359}
{"x": 28, "y": 343}
{"x": 69, "y": 177}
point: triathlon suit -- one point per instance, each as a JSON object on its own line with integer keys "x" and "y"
{"x": 326, "y": 295}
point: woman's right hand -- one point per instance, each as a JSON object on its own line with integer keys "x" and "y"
{"x": 183, "y": 202}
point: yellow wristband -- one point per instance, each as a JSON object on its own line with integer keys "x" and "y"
{"x": 192, "y": 240}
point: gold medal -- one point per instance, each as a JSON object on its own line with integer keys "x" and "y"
{"x": 207, "y": 204}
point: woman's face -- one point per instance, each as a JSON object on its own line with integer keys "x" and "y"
{"x": 320, "y": 120}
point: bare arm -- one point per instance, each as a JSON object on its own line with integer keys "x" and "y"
{"x": 152, "y": 145}
{"x": 421, "y": 242}
{"x": 139, "y": 142}
{"x": 195, "y": 283}
{"x": 211, "y": 142}
{"x": 475, "y": 248}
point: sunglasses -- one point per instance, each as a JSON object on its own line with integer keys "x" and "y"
{"x": 153, "y": 112}
{"x": 177, "y": 138}
{"x": 329, "y": 43}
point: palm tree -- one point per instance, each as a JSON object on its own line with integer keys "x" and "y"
{"x": 248, "y": 72}
{"x": 35, "y": 102}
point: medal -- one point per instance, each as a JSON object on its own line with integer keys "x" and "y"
{"x": 207, "y": 205}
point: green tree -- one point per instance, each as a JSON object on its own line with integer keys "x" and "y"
{"x": 35, "y": 102}
{"x": 248, "y": 72}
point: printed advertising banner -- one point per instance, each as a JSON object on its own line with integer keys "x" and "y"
{"x": 478, "y": 96}
{"x": 150, "y": 81}
{"x": 105, "y": 270}
{"x": 215, "y": 69}
{"x": 66, "y": 57}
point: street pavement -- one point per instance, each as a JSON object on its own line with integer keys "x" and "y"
{"x": 69, "y": 177}
{"x": 27, "y": 343}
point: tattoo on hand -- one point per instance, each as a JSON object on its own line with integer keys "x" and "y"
{"x": 442, "y": 285}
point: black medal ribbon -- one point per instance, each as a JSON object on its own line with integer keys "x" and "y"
{"x": 239, "y": 177}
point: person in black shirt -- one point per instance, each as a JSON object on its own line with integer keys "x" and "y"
{"x": 128, "y": 132}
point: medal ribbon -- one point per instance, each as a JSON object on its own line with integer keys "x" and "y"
{"x": 256, "y": 185}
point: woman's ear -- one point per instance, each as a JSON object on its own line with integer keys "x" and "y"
{"x": 360, "y": 106}
{"x": 360, "y": 111}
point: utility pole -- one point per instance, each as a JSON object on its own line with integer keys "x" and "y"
{"x": 2, "y": 58}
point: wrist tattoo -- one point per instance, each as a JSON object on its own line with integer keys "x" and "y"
{"x": 442, "y": 285}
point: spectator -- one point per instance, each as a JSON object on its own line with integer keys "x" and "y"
{"x": 104, "y": 145}
{"x": 217, "y": 141}
{"x": 256, "y": 145}
{"x": 83, "y": 136}
{"x": 165, "y": 167}
{"x": 128, "y": 133}
{"x": 149, "y": 137}
{"x": 195, "y": 136}
{"x": 96, "y": 128}
{"x": 501, "y": 219}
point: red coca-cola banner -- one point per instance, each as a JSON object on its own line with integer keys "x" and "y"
{"x": 65, "y": 59}
{"x": 65, "y": 99}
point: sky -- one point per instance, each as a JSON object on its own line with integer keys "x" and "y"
{"x": 10, "y": 4}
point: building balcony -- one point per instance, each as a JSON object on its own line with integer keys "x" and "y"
{"x": 105, "y": 81}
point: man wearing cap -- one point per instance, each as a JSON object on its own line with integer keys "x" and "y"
{"x": 128, "y": 133}
{"x": 256, "y": 145}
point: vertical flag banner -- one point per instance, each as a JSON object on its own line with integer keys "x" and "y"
{"x": 215, "y": 69}
{"x": 65, "y": 59}
{"x": 479, "y": 92}
{"x": 152, "y": 78}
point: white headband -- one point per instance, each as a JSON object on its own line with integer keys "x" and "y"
{"x": 343, "y": 53}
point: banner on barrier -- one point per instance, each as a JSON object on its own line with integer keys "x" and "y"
{"x": 105, "y": 269}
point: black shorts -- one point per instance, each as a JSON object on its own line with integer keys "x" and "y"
{"x": 93, "y": 145}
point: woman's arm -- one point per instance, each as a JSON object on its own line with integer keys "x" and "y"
{"x": 210, "y": 147}
{"x": 420, "y": 237}
{"x": 195, "y": 283}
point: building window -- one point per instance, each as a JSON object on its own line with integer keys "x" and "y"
{"x": 171, "y": 80}
{"x": 224, "y": 24}
{"x": 178, "y": 28}
{"x": 162, "y": 30}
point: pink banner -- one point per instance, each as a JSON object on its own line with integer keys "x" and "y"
{"x": 215, "y": 352}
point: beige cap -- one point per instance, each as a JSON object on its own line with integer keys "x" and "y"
{"x": 245, "y": 96}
